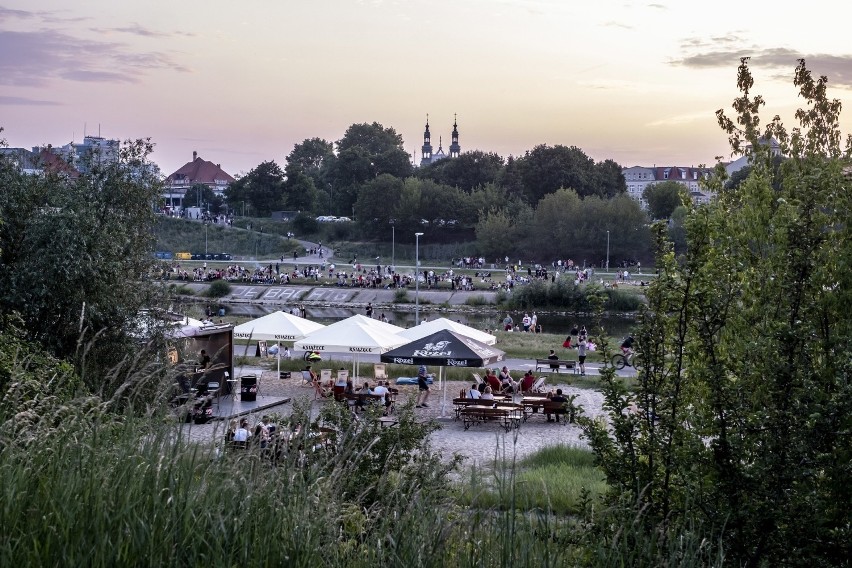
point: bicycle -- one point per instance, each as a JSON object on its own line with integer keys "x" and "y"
{"x": 620, "y": 360}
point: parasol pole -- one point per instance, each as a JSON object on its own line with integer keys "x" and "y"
{"x": 444, "y": 399}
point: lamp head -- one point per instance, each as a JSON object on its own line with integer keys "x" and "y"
{"x": 418, "y": 234}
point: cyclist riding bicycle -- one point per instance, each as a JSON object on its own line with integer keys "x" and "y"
{"x": 627, "y": 346}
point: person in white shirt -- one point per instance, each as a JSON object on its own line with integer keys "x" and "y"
{"x": 473, "y": 392}
{"x": 488, "y": 394}
{"x": 242, "y": 434}
{"x": 382, "y": 391}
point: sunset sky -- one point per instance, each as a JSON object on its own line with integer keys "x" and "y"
{"x": 243, "y": 81}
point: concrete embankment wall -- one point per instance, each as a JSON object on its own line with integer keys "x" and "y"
{"x": 331, "y": 295}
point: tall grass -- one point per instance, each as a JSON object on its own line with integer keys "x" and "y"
{"x": 557, "y": 479}
{"x": 137, "y": 492}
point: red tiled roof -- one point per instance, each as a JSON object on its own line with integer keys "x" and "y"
{"x": 50, "y": 162}
{"x": 200, "y": 171}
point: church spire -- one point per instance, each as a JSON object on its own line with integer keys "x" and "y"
{"x": 455, "y": 149}
{"x": 426, "y": 150}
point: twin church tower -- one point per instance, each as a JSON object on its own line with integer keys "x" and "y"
{"x": 427, "y": 157}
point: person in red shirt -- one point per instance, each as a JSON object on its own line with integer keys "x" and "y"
{"x": 493, "y": 381}
{"x": 527, "y": 382}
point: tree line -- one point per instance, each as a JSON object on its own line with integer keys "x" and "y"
{"x": 519, "y": 205}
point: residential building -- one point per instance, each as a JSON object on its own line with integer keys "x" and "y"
{"x": 745, "y": 159}
{"x": 638, "y": 178}
{"x": 198, "y": 171}
{"x": 83, "y": 156}
{"x": 39, "y": 160}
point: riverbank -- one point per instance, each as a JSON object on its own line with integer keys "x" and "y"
{"x": 324, "y": 296}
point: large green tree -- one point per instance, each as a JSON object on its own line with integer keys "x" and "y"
{"x": 377, "y": 204}
{"x": 300, "y": 191}
{"x": 466, "y": 172}
{"x": 262, "y": 189}
{"x": 75, "y": 253}
{"x": 313, "y": 158}
{"x": 200, "y": 195}
{"x": 365, "y": 152}
{"x": 544, "y": 169}
{"x": 739, "y": 430}
{"x": 566, "y": 226}
{"x": 664, "y": 197}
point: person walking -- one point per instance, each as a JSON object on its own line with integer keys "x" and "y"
{"x": 581, "y": 354}
{"x": 423, "y": 387}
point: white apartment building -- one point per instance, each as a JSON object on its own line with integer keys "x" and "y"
{"x": 639, "y": 177}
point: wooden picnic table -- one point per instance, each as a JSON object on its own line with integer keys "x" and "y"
{"x": 508, "y": 415}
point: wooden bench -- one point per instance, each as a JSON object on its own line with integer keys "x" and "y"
{"x": 553, "y": 365}
{"x": 461, "y": 403}
{"x": 509, "y": 416}
{"x": 555, "y": 408}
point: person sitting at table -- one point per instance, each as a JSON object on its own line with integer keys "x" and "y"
{"x": 232, "y": 428}
{"x": 347, "y": 391}
{"x": 557, "y": 398}
{"x": 492, "y": 380}
{"x": 527, "y": 382}
{"x": 488, "y": 394}
{"x": 204, "y": 360}
{"x": 473, "y": 392}
{"x": 382, "y": 391}
{"x": 241, "y": 434}
{"x": 261, "y": 433}
{"x": 363, "y": 393}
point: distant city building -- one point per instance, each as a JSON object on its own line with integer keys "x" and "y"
{"x": 745, "y": 159}
{"x": 638, "y": 178}
{"x": 198, "y": 171}
{"x": 427, "y": 157}
{"x": 91, "y": 152}
{"x": 38, "y": 161}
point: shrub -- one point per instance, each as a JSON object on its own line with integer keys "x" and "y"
{"x": 182, "y": 290}
{"x": 400, "y": 296}
{"x": 304, "y": 224}
{"x": 219, "y": 288}
{"x": 621, "y": 301}
{"x": 478, "y": 300}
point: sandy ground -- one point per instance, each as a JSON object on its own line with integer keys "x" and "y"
{"x": 478, "y": 445}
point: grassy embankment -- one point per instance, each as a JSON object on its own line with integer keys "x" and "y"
{"x": 181, "y": 235}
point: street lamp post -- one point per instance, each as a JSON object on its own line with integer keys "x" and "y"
{"x": 205, "y": 238}
{"x": 607, "y": 251}
{"x": 417, "y": 278}
{"x": 393, "y": 246}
